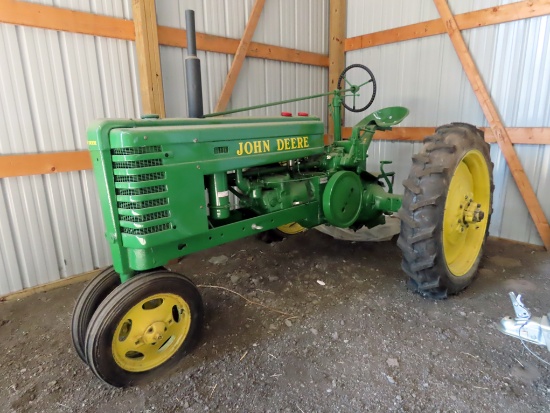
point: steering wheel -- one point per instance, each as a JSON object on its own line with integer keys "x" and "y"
{"x": 343, "y": 83}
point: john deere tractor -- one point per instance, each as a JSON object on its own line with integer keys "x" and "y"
{"x": 165, "y": 187}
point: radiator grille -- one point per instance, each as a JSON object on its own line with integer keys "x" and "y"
{"x": 145, "y": 231}
{"x": 137, "y": 164}
{"x": 145, "y": 218}
{"x": 152, "y": 195}
{"x": 142, "y": 205}
{"x": 141, "y": 191}
{"x": 140, "y": 178}
{"x": 136, "y": 151}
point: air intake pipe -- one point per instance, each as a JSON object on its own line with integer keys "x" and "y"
{"x": 193, "y": 69}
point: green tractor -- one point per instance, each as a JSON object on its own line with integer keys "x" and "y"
{"x": 136, "y": 320}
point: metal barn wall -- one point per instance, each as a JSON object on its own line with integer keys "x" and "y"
{"x": 301, "y": 25}
{"x": 52, "y": 84}
{"x": 425, "y": 75}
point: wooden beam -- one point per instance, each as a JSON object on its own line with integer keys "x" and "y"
{"x": 410, "y": 134}
{"x": 524, "y": 136}
{"x": 336, "y": 53}
{"x": 44, "y": 163}
{"x": 503, "y": 139}
{"x": 64, "y": 282}
{"x": 24, "y": 13}
{"x": 485, "y": 17}
{"x": 399, "y": 34}
{"x": 170, "y": 36}
{"x": 148, "y": 54}
{"x": 503, "y": 14}
{"x": 238, "y": 60}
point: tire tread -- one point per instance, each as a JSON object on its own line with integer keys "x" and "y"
{"x": 423, "y": 207}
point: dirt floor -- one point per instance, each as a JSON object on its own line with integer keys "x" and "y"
{"x": 359, "y": 341}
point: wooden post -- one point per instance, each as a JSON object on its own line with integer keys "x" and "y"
{"x": 503, "y": 140}
{"x": 147, "y": 47}
{"x": 237, "y": 64}
{"x": 337, "y": 61}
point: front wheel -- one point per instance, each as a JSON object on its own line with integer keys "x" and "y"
{"x": 86, "y": 304}
{"x": 446, "y": 211}
{"x": 144, "y": 328}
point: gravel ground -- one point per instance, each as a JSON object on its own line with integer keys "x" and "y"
{"x": 354, "y": 338}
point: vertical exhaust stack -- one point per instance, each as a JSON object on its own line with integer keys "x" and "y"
{"x": 193, "y": 69}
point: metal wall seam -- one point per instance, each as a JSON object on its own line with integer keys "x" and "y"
{"x": 426, "y": 76}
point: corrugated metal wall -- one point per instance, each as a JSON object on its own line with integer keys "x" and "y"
{"x": 299, "y": 25}
{"x": 425, "y": 75}
{"x": 52, "y": 84}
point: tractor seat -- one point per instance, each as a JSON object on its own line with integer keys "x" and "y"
{"x": 384, "y": 118}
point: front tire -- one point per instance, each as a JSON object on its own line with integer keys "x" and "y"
{"x": 86, "y": 304}
{"x": 144, "y": 328}
{"x": 446, "y": 211}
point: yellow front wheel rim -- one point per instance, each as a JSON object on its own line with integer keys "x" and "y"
{"x": 151, "y": 332}
{"x": 466, "y": 213}
{"x": 291, "y": 229}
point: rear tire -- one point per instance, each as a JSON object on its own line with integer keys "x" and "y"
{"x": 446, "y": 211}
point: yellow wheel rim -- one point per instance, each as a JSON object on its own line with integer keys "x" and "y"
{"x": 466, "y": 213}
{"x": 291, "y": 229}
{"x": 151, "y": 332}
